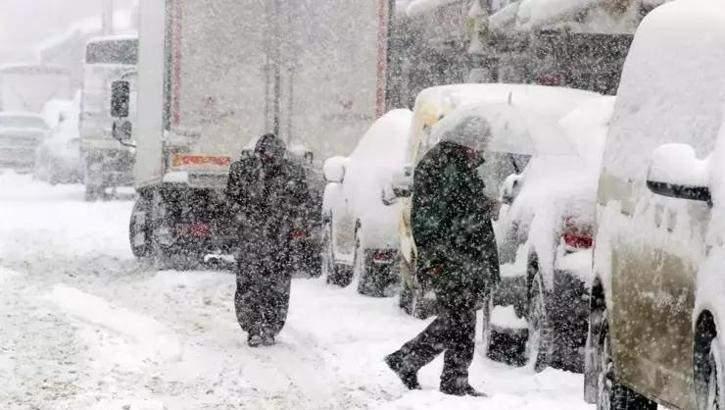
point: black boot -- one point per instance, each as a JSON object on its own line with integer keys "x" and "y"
{"x": 254, "y": 340}
{"x": 408, "y": 376}
{"x": 460, "y": 389}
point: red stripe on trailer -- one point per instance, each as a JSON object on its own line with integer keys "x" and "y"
{"x": 176, "y": 61}
{"x": 382, "y": 66}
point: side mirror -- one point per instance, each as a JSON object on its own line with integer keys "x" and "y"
{"x": 122, "y": 131}
{"x": 510, "y": 188}
{"x": 120, "y": 99}
{"x": 676, "y": 172}
{"x": 334, "y": 169}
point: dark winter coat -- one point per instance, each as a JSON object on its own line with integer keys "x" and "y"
{"x": 269, "y": 199}
{"x": 451, "y": 220}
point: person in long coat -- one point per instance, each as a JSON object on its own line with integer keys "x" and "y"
{"x": 457, "y": 255}
{"x": 268, "y": 195}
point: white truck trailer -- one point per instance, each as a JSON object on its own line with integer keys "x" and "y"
{"x": 213, "y": 74}
{"x": 27, "y": 87}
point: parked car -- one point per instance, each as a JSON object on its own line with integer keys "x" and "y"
{"x": 656, "y": 309}
{"x": 360, "y": 232}
{"x": 20, "y": 135}
{"x": 58, "y": 158}
{"x": 433, "y": 105}
{"x": 544, "y": 233}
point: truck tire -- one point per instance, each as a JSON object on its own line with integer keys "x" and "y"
{"x": 140, "y": 229}
{"x": 93, "y": 179}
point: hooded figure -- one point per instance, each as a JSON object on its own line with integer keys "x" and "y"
{"x": 457, "y": 256}
{"x": 267, "y": 194}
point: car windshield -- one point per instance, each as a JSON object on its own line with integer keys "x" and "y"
{"x": 22, "y": 121}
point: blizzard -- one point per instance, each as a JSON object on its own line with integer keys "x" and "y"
{"x": 87, "y": 326}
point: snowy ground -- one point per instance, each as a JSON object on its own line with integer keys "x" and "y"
{"x": 85, "y": 326}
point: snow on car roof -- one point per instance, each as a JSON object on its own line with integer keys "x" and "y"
{"x": 417, "y": 7}
{"x": 549, "y": 100}
{"x": 527, "y": 15}
{"x": 672, "y": 79}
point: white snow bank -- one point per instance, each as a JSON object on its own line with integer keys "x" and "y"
{"x": 152, "y": 339}
{"x": 504, "y": 317}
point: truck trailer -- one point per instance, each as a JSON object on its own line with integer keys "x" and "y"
{"x": 214, "y": 74}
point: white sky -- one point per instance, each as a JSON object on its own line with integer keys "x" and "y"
{"x": 25, "y": 22}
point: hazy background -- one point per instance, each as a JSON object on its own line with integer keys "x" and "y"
{"x": 24, "y": 23}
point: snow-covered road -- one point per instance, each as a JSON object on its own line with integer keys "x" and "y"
{"x": 85, "y": 326}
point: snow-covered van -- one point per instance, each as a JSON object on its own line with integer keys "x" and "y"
{"x": 213, "y": 75}
{"x": 27, "y": 87}
{"x": 656, "y": 307}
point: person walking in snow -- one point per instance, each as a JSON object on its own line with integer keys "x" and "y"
{"x": 457, "y": 255}
{"x": 267, "y": 194}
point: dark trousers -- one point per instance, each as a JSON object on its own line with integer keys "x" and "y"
{"x": 262, "y": 297}
{"x": 452, "y": 332}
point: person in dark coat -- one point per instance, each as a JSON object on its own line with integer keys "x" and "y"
{"x": 267, "y": 194}
{"x": 457, "y": 256}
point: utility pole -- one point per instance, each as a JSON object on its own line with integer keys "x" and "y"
{"x": 277, "y": 62}
{"x": 107, "y": 17}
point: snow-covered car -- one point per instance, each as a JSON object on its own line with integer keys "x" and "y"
{"x": 435, "y": 104}
{"x": 656, "y": 310}
{"x": 58, "y": 158}
{"x": 360, "y": 232}
{"x": 20, "y": 135}
{"x": 544, "y": 234}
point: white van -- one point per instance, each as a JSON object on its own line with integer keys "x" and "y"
{"x": 656, "y": 308}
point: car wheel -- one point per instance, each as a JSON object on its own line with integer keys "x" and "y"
{"x": 709, "y": 384}
{"x": 486, "y": 327}
{"x": 539, "y": 344}
{"x": 326, "y": 252}
{"x": 335, "y": 273}
{"x": 610, "y": 394}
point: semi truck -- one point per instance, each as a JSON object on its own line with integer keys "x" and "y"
{"x": 106, "y": 163}
{"x": 27, "y": 87}
{"x": 212, "y": 75}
